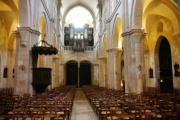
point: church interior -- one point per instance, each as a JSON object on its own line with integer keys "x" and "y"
{"x": 89, "y": 59}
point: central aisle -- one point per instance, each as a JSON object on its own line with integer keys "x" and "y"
{"x": 81, "y": 108}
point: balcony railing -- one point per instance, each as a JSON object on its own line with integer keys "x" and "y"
{"x": 87, "y": 48}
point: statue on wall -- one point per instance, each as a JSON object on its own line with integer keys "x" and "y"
{"x": 176, "y": 70}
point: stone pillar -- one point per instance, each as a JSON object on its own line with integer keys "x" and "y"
{"x": 25, "y": 39}
{"x": 113, "y": 61}
{"x": 134, "y": 60}
{"x": 127, "y": 61}
{"x": 102, "y": 72}
{"x": 96, "y": 75}
{"x": 175, "y": 50}
{"x": 10, "y": 66}
{"x": 138, "y": 36}
{"x": 55, "y": 72}
{"x": 62, "y": 74}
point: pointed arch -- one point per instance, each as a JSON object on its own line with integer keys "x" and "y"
{"x": 80, "y": 5}
{"x": 163, "y": 65}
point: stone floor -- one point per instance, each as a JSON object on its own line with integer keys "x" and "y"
{"x": 81, "y": 108}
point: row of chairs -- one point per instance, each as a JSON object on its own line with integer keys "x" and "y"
{"x": 116, "y": 105}
{"x": 53, "y": 104}
{"x": 5, "y": 98}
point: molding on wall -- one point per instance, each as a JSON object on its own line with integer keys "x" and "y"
{"x": 102, "y": 57}
{"x": 100, "y": 35}
{"x": 28, "y": 29}
{"x": 113, "y": 50}
{"x": 133, "y": 31}
{"x": 113, "y": 13}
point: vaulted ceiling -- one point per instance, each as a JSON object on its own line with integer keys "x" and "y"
{"x": 91, "y": 5}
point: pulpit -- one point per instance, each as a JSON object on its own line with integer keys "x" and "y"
{"x": 41, "y": 76}
{"x": 41, "y": 79}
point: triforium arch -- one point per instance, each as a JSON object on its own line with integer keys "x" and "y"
{"x": 163, "y": 65}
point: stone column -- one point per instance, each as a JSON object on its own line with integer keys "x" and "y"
{"x": 127, "y": 61}
{"x": 55, "y": 72}
{"x": 25, "y": 39}
{"x": 138, "y": 36}
{"x": 96, "y": 75}
{"x": 134, "y": 60}
{"x": 113, "y": 62}
{"x": 10, "y": 66}
{"x": 175, "y": 50}
{"x": 102, "y": 72}
{"x": 62, "y": 74}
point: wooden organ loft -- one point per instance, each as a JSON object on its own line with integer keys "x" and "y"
{"x": 78, "y": 39}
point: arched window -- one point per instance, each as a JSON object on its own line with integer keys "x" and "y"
{"x": 78, "y": 16}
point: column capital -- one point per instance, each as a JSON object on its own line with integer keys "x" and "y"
{"x": 96, "y": 64}
{"x": 16, "y": 33}
{"x": 113, "y": 50}
{"x": 133, "y": 31}
{"x": 23, "y": 34}
{"x": 102, "y": 57}
{"x": 33, "y": 31}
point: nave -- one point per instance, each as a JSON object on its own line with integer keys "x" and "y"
{"x": 81, "y": 108}
{"x": 69, "y": 103}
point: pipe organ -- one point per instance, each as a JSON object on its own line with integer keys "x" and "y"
{"x": 78, "y": 38}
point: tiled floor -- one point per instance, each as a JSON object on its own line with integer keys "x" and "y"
{"x": 81, "y": 108}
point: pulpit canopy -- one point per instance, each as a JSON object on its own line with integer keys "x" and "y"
{"x": 43, "y": 48}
